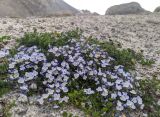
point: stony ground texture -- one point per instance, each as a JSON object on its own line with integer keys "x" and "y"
{"x": 138, "y": 32}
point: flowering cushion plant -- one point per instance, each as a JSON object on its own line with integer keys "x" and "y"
{"x": 77, "y": 66}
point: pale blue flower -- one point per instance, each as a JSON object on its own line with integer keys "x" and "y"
{"x": 89, "y": 91}
{"x": 56, "y": 97}
{"x": 105, "y": 92}
{"x": 113, "y": 95}
{"x": 119, "y": 106}
{"x": 130, "y": 104}
{"x": 56, "y": 106}
{"x": 99, "y": 89}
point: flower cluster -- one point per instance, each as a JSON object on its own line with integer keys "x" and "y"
{"x": 90, "y": 67}
{"x": 4, "y": 52}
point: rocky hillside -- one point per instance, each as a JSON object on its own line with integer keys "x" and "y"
{"x": 157, "y": 9}
{"x": 26, "y": 8}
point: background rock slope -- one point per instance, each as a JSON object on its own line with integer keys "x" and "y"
{"x": 126, "y": 8}
{"x": 26, "y": 8}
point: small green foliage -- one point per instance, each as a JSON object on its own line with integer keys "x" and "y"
{"x": 147, "y": 62}
{"x": 13, "y": 51}
{"x": 4, "y": 87}
{"x": 66, "y": 114}
{"x": 125, "y": 57}
{"x": 4, "y": 38}
{"x": 150, "y": 89}
{"x": 91, "y": 105}
{"x": 43, "y": 40}
{"x": 3, "y": 66}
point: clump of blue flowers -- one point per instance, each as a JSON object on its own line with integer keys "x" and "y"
{"x": 78, "y": 65}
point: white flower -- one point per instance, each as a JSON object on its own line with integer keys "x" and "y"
{"x": 57, "y": 85}
{"x": 84, "y": 77}
{"x": 29, "y": 75}
{"x": 119, "y": 87}
{"x": 113, "y": 95}
{"x": 110, "y": 84}
{"x": 56, "y": 97}
{"x": 51, "y": 77}
{"x": 100, "y": 72}
{"x": 104, "y": 80}
{"x": 104, "y": 63}
{"x": 35, "y": 73}
{"x": 55, "y": 106}
{"x": 134, "y": 100}
{"x": 130, "y": 104}
{"x": 50, "y": 91}
{"x": 91, "y": 73}
{"x": 90, "y": 62}
{"x": 59, "y": 68}
{"x": 3, "y": 53}
{"x": 119, "y": 93}
{"x": 24, "y": 88}
{"x": 51, "y": 86}
{"x": 119, "y": 81}
{"x": 133, "y": 92}
{"x": 105, "y": 92}
{"x": 21, "y": 80}
{"x": 99, "y": 89}
{"x": 119, "y": 106}
{"x": 65, "y": 78}
{"x": 124, "y": 97}
{"x": 145, "y": 115}
{"x": 76, "y": 75}
{"x": 89, "y": 91}
{"x": 41, "y": 101}
{"x": 139, "y": 100}
{"x": 65, "y": 89}
{"x": 16, "y": 75}
{"x": 142, "y": 106}
{"x": 45, "y": 96}
{"x": 65, "y": 99}
{"x": 11, "y": 66}
{"x": 75, "y": 64}
{"x": 127, "y": 84}
{"x": 22, "y": 68}
{"x": 120, "y": 70}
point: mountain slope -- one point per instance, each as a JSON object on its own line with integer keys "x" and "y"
{"x": 25, "y": 8}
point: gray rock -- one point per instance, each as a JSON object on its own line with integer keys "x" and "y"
{"x": 4, "y": 22}
{"x": 157, "y": 9}
{"x": 22, "y": 98}
{"x": 124, "y": 9}
{"x": 27, "y": 8}
{"x": 21, "y": 110}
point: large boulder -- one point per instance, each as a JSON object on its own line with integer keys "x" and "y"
{"x": 27, "y": 8}
{"x": 124, "y": 9}
{"x": 157, "y": 9}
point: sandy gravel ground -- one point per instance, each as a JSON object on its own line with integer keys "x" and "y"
{"x": 138, "y": 32}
